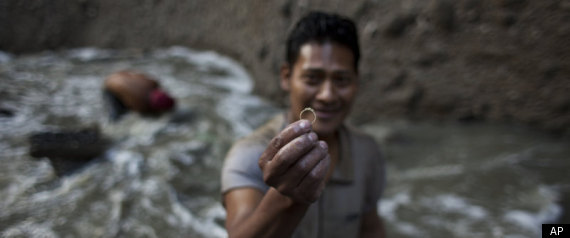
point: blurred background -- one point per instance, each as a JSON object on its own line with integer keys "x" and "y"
{"x": 469, "y": 100}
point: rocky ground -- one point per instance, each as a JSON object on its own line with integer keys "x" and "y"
{"x": 493, "y": 60}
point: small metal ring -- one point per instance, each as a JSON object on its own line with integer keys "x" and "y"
{"x": 311, "y": 110}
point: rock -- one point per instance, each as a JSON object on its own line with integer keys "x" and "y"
{"x": 508, "y": 19}
{"x": 511, "y": 3}
{"x": 262, "y": 53}
{"x": 68, "y": 150}
{"x": 90, "y": 10}
{"x": 472, "y": 10}
{"x": 286, "y": 9}
{"x": 363, "y": 9}
{"x": 550, "y": 71}
{"x": 431, "y": 58}
{"x": 406, "y": 98}
{"x": 183, "y": 116}
{"x": 370, "y": 30}
{"x": 396, "y": 82}
{"x": 442, "y": 14}
{"x": 399, "y": 24}
{"x": 564, "y": 5}
{"x": 415, "y": 99}
{"x": 4, "y": 112}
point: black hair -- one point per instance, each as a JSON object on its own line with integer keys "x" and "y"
{"x": 321, "y": 27}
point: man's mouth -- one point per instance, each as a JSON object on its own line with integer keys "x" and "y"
{"x": 326, "y": 114}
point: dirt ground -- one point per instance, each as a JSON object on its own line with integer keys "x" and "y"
{"x": 502, "y": 61}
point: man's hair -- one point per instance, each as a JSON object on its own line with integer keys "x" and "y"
{"x": 321, "y": 27}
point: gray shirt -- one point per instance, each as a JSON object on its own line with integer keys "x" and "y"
{"x": 353, "y": 189}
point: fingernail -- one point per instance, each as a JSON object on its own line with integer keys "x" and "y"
{"x": 324, "y": 145}
{"x": 304, "y": 124}
{"x": 313, "y": 136}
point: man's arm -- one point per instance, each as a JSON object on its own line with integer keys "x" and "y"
{"x": 251, "y": 214}
{"x": 372, "y": 225}
{"x": 294, "y": 165}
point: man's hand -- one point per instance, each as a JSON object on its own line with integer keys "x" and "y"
{"x": 295, "y": 163}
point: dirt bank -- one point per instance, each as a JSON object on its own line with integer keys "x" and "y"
{"x": 496, "y": 60}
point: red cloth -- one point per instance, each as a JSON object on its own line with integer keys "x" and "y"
{"x": 160, "y": 100}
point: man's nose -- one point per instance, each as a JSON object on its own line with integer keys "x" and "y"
{"x": 327, "y": 92}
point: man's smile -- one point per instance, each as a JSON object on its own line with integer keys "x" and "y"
{"x": 327, "y": 113}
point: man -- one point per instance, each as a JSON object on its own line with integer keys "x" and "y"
{"x": 294, "y": 178}
{"x": 129, "y": 90}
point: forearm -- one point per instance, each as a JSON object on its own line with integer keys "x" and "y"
{"x": 275, "y": 216}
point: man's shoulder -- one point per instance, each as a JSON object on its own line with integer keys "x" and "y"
{"x": 257, "y": 141}
{"x": 240, "y": 165}
{"x": 263, "y": 134}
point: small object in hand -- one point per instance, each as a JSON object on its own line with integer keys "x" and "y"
{"x": 308, "y": 109}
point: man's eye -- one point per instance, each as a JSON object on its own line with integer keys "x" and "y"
{"x": 312, "y": 79}
{"x": 343, "y": 81}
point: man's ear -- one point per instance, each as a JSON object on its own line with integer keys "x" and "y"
{"x": 285, "y": 77}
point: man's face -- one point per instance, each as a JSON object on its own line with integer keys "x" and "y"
{"x": 323, "y": 78}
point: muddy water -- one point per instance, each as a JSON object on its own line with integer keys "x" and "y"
{"x": 472, "y": 180}
{"x": 160, "y": 176}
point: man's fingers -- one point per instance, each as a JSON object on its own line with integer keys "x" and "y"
{"x": 313, "y": 183}
{"x": 298, "y": 170}
{"x": 289, "y": 154}
{"x": 290, "y": 132}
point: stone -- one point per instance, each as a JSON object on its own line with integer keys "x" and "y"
{"x": 399, "y": 24}
{"x": 5, "y": 112}
{"x": 442, "y": 14}
{"x": 68, "y": 150}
